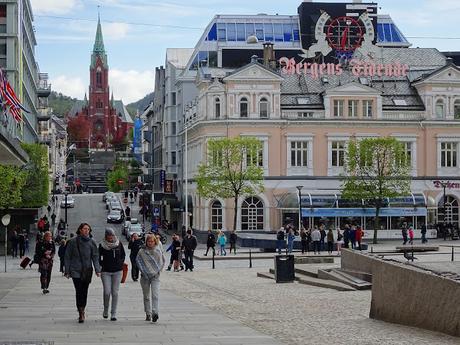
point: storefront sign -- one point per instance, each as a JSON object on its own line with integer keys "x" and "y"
{"x": 162, "y": 178}
{"x": 449, "y": 185}
{"x": 168, "y": 187}
{"x": 358, "y": 68}
{"x": 363, "y": 212}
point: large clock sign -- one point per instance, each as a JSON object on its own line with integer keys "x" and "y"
{"x": 345, "y": 34}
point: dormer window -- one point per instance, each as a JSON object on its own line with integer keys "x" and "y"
{"x": 217, "y": 107}
{"x": 263, "y": 108}
{"x": 244, "y": 107}
{"x": 440, "y": 109}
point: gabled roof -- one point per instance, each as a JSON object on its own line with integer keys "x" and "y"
{"x": 253, "y": 65}
{"x": 425, "y": 77}
{"x": 121, "y": 109}
{"x": 77, "y": 108}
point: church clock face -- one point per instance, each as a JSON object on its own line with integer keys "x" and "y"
{"x": 344, "y": 34}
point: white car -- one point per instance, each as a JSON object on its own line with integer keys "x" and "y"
{"x": 115, "y": 216}
{"x": 134, "y": 228}
{"x": 127, "y": 223}
{"x": 67, "y": 202}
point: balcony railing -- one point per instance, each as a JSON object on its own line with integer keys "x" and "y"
{"x": 43, "y": 88}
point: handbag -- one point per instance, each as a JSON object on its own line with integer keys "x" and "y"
{"x": 86, "y": 273}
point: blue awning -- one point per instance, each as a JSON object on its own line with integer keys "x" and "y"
{"x": 364, "y": 212}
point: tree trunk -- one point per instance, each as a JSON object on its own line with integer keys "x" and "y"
{"x": 235, "y": 214}
{"x": 376, "y": 224}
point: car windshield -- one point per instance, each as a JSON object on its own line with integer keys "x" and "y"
{"x": 136, "y": 227}
{"x": 134, "y": 221}
{"x": 115, "y": 213}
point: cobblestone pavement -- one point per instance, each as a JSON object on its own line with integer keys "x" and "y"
{"x": 294, "y": 313}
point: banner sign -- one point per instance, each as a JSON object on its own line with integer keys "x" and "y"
{"x": 169, "y": 187}
{"x": 364, "y": 212}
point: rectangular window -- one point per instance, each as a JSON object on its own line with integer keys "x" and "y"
{"x": 217, "y": 158}
{"x": 250, "y": 29}
{"x": 231, "y": 32}
{"x": 338, "y": 154}
{"x": 299, "y": 153}
{"x": 278, "y": 28}
{"x": 255, "y": 158}
{"x": 173, "y": 128}
{"x": 268, "y": 27}
{"x": 173, "y": 158}
{"x": 449, "y": 155}
{"x": 353, "y": 108}
{"x": 287, "y": 32}
{"x": 338, "y": 107}
{"x": 408, "y": 153}
{"x": 240, "y": 33}
{"x": 173, "y": 98}
{"x": 212, "y": 59}
{"x": 305, "y": 114}
{"x": 367, "y": 108}
{"x": 221, "y": 32}
{"x": 260, "y": 31}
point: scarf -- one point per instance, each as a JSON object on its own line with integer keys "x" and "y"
{"x": 150, "y": 261}
{"x": 85, "y": 238}
{"x": 110, "y": 245}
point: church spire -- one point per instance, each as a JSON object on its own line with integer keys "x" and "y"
{"x": 99, "y": 41}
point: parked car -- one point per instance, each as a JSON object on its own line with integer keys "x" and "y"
{"x": 115, "y": 205}
{"x": 107, "y": 195}
{"x": 134, "y": 228}
{"x": 127, "y": 223}
{"x": 115, "y": 216}
{"x": 67, "y": 202}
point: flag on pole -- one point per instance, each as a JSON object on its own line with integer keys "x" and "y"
{"x": 9, "y": 96}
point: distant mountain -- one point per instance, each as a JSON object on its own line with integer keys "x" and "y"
{"x": 60, "y": 103}
{"x": 140, "y": 105}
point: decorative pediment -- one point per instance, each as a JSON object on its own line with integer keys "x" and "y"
{"x": 253, "y": 72}
{"x": 352, "y": 88}
{"x": 447, "y": 74}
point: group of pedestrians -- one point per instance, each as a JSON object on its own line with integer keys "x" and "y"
{"x": 319, "y": 239}
{"x": 19, "y": 242}
{"x": 222, "y": 241}
{"x": 185, "y": 248}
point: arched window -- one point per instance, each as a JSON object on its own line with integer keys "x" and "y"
{"x": 457, "y": 109}
{"x": 244, "y": 107}
{"x": 440, "y": 109}
{"x": 217, "y": 107}
{"x": 252, "y": 214}
{"x": 263, "y": 107}
{"x": 216, "y": 215}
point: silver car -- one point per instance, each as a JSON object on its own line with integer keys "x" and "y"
{"x": 134, "y": 228}
{"x": 115, "y": 216}
{"x": 67, "y": 202}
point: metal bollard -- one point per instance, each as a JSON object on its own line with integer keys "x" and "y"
{"x": 372, "y": 249}
{"x": 412, "y": 253}
{"x": 213, "y": 262}
{"x": 452, "y": 253}
{"x": 250, "y": 259}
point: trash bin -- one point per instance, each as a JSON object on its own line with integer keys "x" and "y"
{"x": 284, "y": 268}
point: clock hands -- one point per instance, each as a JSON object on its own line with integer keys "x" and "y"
{"x": 344, "y": 38}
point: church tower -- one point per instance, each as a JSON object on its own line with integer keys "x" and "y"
{"x": 99, "y": 110}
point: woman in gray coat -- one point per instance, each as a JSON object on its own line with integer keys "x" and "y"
{"x": 80, "y": 256}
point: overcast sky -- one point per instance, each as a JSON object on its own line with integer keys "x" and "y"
{"x": 66, "y": 29}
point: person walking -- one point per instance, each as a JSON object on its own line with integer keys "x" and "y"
{"x": 316, "y": 238}
{"x": 210, "y": 243}
{"x": 411, "y": 235}
{"x": 352, "y": 236}
{"x": 359, "y": 236}
{"x": 404, "y": 233}
{"x": 323, "y": 236}
{"x": 303, "y": 240}
{"x": 53, "y": 219}
{"x": 45, "y": 251}
{"x": 134, "y": 245}
{"x": 61, "y": 254}
{"x": 232, "y": 240}
{"x": 280, "y": 239}
{"x": 14, "y": 243}
{"x": 339, "y": 241}
{"x": 330, "y": 241}
{"x": 291, "y": 238}
{"x": 189, "y": 244}
{"x": 150, "y": 261}
{"x": 222, "y": 239}
{"x": 81, "y": 256}
{"x": 423, "y": 231}
{"x": 346, "y": 236}
{"x": 111, "y": 258}
{"x": 128, "y": 212}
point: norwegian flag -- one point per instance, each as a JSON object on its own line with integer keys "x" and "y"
{"x": 10, "y": 98}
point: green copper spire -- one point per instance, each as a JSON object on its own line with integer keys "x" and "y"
{"x": 98, "y": 49}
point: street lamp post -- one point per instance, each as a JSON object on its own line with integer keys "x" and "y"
{"x": 6, "y": 221}
{"x": 186, "y": 176}
{"x": 65, "y": 207}
{"x": 299, "y": 188}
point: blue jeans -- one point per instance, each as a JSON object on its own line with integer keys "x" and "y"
{"x": 280, "y": 245}
{"x": 222, "y": 250}
{"x": 111, "y": 284}
{"x": 290, "y": 246}
{"x": 151, "y": 291}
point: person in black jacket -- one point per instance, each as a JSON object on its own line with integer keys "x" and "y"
{"x": 232, "y": 240}
{"x": 189, "y": 244}
{"x": 45, "y": 251}
{"x": 134, "y": 245}
{"x": 111, "y": 259}
{"x": 210, "y": 243}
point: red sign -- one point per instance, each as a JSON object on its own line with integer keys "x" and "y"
{"x": 448, "y": 184}
{"x": 168, "y": 187}
{"x": 120, "y": 181}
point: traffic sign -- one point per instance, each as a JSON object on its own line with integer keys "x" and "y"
{"x": 156, "y": 211}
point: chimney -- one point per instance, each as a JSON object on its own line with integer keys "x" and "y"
{"x": 269, "y": 55}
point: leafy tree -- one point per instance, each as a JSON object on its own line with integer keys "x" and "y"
{"x": 376, "y": 169}
{"x": 60, "y": 103}
{"x": 36, "y": 188}
{"x": 232, "y": 170}
{"x": 120, "y": 172}
{"x": 78, "y": 130}
{"x": 12, "y": 182}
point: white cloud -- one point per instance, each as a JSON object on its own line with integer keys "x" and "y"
{"x": 115, "y": 31}
{"x": 53, "y": 6}
{"x": 131, "y": 85}
{"x": 69, "y": 86}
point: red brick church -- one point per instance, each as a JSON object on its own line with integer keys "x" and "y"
{"x": 106, "y": 121}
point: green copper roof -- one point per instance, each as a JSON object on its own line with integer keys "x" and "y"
{"x": 98, "y": 49}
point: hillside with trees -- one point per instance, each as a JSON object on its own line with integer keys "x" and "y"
{"x": 60, "y": 103}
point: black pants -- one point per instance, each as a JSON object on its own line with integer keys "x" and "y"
{"x": 134, "y": 269}
{"x": 188, "y": 259}
{"x": 22, "y": 249}
{"x": 304, "y": 245}
{"x": 330, "y": 246}
{"x": 45, "y": 277}
{"x": 81, "y": 292}
{"x": 213, "y": 250}
{"x": 232, "y": 246}
{"x": 316, "y": 246}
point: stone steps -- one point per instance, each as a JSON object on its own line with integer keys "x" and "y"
{"x": 344, "y": 278}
